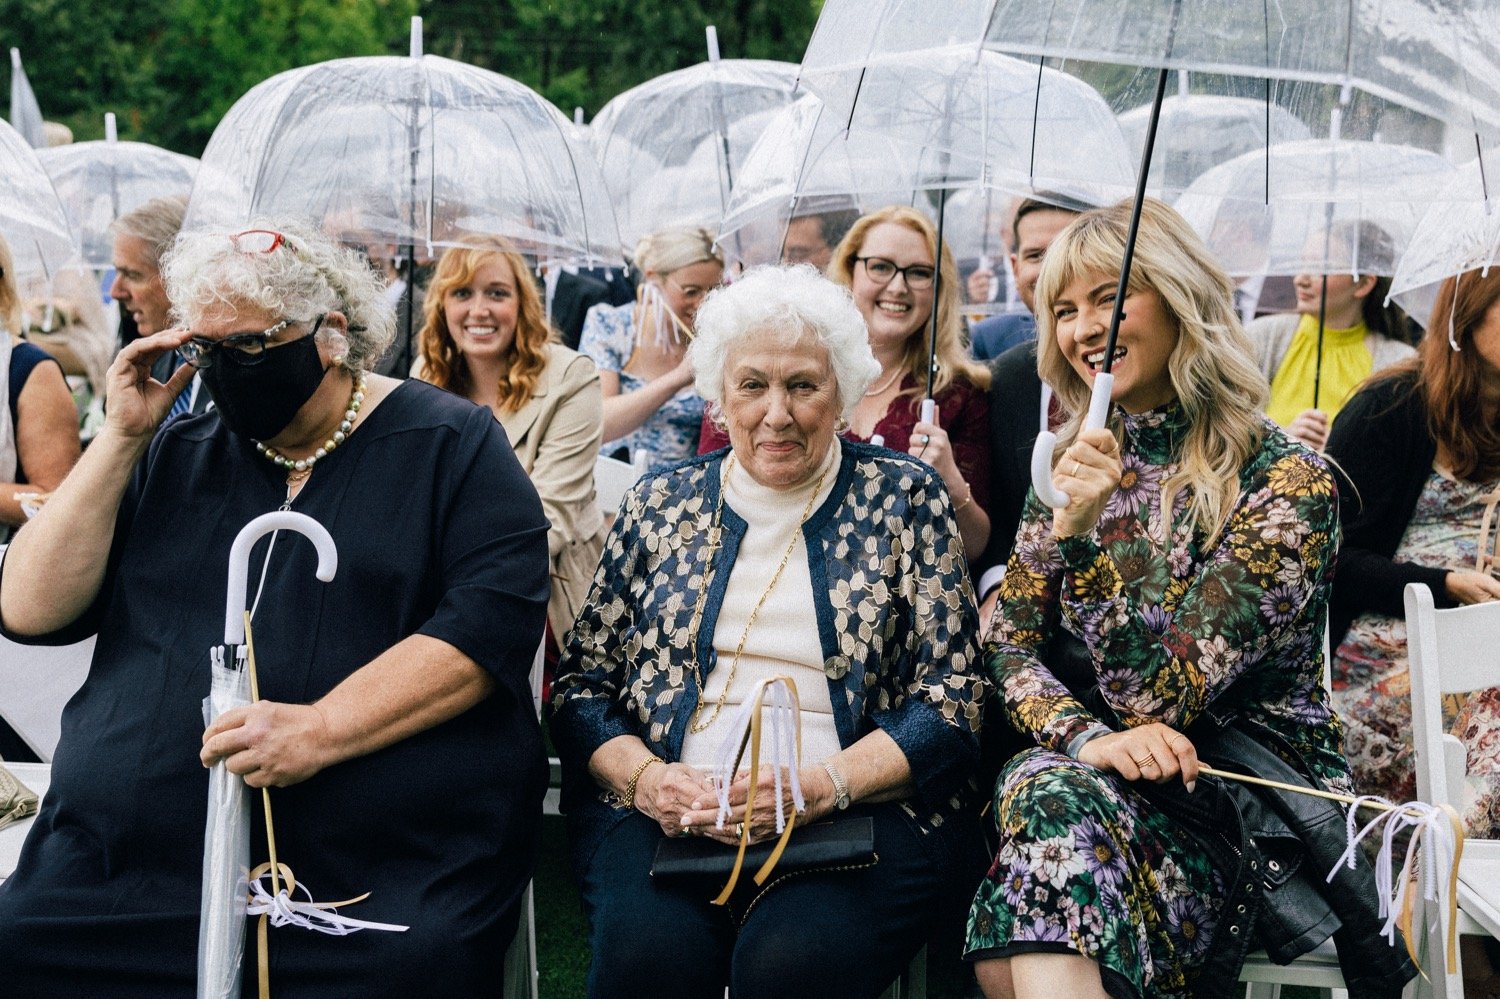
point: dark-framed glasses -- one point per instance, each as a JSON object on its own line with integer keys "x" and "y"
{"x": 244, "y": 349}
{"x": 883, "y": 271}
{"x": 257, "y": 240}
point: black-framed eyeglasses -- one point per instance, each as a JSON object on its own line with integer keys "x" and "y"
{"x": 244, "y": 349}
{"x": 883, "y": 271}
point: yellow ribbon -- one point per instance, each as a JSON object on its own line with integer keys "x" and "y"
{"x": 752, "y": 737}
{"x": 1458, "y": 850}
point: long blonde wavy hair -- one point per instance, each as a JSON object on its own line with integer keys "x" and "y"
{"x": 952, "y": 351}
{"x": 442, "y": 362}
{"x": 1212, "y": 366}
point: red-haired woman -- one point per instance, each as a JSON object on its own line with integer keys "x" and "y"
{"x": 485, "y": 337}
{"x": 1421, "y": 447}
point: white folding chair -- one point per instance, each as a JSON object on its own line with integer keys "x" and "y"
{"x": 520, "y": 958}
{"x": 1454, "y": 651}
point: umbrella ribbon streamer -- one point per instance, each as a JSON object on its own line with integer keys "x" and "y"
{"x": 1437, "y": 838}
{"x": 281, "y": 909}
{"x": 785, "y": 755}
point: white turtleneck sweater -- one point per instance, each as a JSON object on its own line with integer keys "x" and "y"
{"x": 784, "y": 639}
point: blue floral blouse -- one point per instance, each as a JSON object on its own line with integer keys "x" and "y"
{"x": 671, "y": 434}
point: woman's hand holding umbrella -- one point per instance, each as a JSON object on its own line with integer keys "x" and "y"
{"x": 139, "y": 402}
{"x": 1311, "y": 428}
{"x": 1089, "y": 472}
{"x": 270, "y": 744}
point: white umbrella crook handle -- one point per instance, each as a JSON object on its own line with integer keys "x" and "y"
{"x": 1046, "y": 440}
{"x": 239, "y": 561}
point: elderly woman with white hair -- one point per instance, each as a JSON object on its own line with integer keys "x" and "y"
{"x": 396, "y": 720}
{"x": 789, "y": 553}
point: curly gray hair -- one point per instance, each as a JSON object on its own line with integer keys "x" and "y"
{"x": 790, "y": 303}
{"x": 307, "y": 275}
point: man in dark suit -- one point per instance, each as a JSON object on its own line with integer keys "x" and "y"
{"x": 1036, "y": 224}
{"x": 141, "y": 236}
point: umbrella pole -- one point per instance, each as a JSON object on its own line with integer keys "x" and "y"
{"x": 937, "y": 298}
{"x": 1118, "y": 313}
{"x": 1318, "y": 364}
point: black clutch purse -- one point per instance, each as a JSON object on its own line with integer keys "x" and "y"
{"x": 833, "y": 844}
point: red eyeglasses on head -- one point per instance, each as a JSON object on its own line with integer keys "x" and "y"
{"x": 257, "y": 240}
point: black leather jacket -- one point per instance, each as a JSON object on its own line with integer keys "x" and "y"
{"x": 1275, "y": 849}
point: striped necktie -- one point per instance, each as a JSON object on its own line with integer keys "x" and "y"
{"x": 184, "y": 400}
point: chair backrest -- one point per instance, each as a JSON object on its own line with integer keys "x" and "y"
{"x": 612, "y": 480}
{"x": 1450, "y": 652}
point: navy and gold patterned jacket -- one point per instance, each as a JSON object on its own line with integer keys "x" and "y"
{"x": 895, "y": 614}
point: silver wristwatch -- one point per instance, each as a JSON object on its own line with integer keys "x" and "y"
{"x": 840, "y": 788}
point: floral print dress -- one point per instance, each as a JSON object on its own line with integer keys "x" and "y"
{"x": 1085, "y": 864}
{"x": 671, "y": 433}
{"x": 1372, "y": 684}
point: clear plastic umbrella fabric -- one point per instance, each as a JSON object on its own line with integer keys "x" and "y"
{"x": 1335, "y": 207}
{"x": 1460, "y": 232}
{"x": 226, "y": 840}
{"x": 32, "y": 219}
{"x": 982, "y": 124}
{"x": 1200, "y": 131}
{"x": 98, "y": 182}
{"x": 407, "y": 151}
{"x": 671, "y": 148}
{"x": 1438, "y": 57}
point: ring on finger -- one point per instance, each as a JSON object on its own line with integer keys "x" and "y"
{"x": 1149, "y": 761}
{"x": 739, "y": 830}
{"x": 924, "y": 439}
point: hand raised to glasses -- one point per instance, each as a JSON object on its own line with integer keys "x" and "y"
{"x": 137, "y": 402}
{"x": 1089, "y": 472}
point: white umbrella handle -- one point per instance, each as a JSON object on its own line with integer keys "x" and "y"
{"x": 1041, "y": 452}
{"x": 239, "y": 561}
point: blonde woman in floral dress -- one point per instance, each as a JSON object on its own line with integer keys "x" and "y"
{"x": 1193, "y": 562}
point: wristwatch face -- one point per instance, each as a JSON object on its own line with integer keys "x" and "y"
{"x": 840, "y": 799}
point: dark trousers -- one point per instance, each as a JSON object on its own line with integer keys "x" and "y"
{"x": 830, "y": 935}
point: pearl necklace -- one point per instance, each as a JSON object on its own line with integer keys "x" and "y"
{"x": 300, "y": 468}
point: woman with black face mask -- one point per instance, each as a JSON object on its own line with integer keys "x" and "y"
{"x": 396, "y": 718}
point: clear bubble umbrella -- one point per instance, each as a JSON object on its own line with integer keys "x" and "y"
{"x": 32, "y": 219}
{"x": 1458, "y": 233}
{"x": 417, "y": 151}
{"x": 1201, "y": 131}
{"x": 1441, "y": 60}
{"x": 671, "y": 148}
{"x": 98, "y": 182}
{"x": 1324, "y": 193}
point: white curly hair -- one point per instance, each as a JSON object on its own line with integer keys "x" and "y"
{"x": 306, "y": 276}
{"x": 783, "y": 304}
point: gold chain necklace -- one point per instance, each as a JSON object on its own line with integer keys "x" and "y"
{"x": 715, "y": 530}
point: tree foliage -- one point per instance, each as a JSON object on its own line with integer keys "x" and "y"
{"x": 169, "y": 69}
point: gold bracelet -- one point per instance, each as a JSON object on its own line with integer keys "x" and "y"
{"x": 967, "y": 500}
{"x": 628, "y": 798}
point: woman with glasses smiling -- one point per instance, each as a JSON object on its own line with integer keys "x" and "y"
{"x": 397, "y": 720}
{"x": 641, "y": 348}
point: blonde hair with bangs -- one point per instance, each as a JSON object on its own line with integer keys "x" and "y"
{"x": 442, "y": 362}
{"x": 1212, "y": 367}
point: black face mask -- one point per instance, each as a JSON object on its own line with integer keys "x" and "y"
{"x": 260, "y": 401}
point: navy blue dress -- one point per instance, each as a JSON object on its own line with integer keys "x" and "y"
{"x": 439, "y": 533}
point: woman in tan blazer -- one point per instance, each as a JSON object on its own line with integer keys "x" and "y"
{"x": 485, "y": 337}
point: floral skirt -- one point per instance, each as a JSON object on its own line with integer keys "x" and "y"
{"x": 1088, "y": 866}
{"x": 1372, "y": 693}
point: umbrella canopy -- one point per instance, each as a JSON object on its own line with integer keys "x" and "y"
{"x": 1459, "y": 232}
{"x": 32, "y": 219}
{"x": 98, "y": 182}
{"x": 407, "y": 151}
{"x": 1201, "y": 131}
{"x": 25, "y": 113}
{"x": 672, "y": 147}
{"x": 1440, "y": 59}
{"x": 949, "y": 119}
{"x": 1335, "y": 206}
